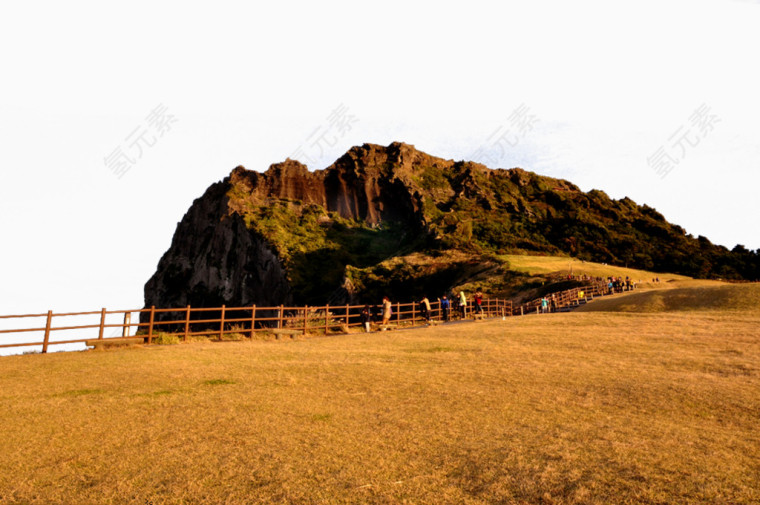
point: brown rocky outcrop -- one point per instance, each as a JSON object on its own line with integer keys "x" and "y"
{"x": 370, "y": 183}
{"x": 215, "y": 259}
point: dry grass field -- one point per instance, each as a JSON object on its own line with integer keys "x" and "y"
{"x": 579, "y": 408}
{"x": 695, "y": 297}
{"x": 537, "y": 265}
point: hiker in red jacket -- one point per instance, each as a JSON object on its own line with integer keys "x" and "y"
{"x": 478, "y": 302}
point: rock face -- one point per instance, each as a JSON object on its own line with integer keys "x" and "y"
{"x": 214, "y": 259}
{"x": 368, "y": 183}
{"x": 379, "y": 220}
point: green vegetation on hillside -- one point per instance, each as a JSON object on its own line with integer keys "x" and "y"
{"x": 477, "y": 215}
{"x": 318, "y": 248}
{"x": 515, "y": 211}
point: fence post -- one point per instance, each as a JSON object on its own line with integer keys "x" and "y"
{"x": 187, "y": 323}
{"x": 346, "y": 315}
{"x": 305, "y": 318}
{"x": 521, "y": 310}
{"x": 279, "y": 318}
{"x": 47, "y": 331}
{"x": 150, "y": 326}
{"x": 327, "y": 316}
{"x": 414, "y": 315}
{"x": 221, "y": 325}
{"x": 102, "y": 323}
{"x": 398, "y": 313}
{"x": 127, "y": 324}
{"x": 253, "y": 319}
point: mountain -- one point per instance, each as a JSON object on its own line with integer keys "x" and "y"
{"x": 394, "y": 220}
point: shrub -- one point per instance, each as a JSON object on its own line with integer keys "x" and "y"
{"x": 165, "y": 339}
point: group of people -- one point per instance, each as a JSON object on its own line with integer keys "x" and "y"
{"x": 384, "y": 312}
{"x": 549, "y": 304}
{"x": 618, "y": 284}
{"x": 369, "y": 314}
{"x": 447, "y": 304}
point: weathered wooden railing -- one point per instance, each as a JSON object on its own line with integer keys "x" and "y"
{"x": 186, "y": 322}
{"x": 567, "y": 298}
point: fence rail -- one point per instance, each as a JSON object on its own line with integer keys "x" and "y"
{"x": 251, "y": 319}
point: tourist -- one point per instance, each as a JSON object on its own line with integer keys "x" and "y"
{"x": 366, "y": 316}
{"x": 478, "y": 302}
{"x": 387, "y": 310}
{"x": 425, "y": 308}
{"x": 445, "y": 307}
{"x": 462, "y": 304}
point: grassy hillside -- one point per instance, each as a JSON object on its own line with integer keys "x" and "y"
{"x": 537, "y": 265}
{"x": 516, "y": 276}
{"x": 706, "y": 298}
{"x": 578, "y": 408}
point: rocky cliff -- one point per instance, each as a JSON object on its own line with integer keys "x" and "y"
{"x": 392, "y": 219}
{"x": 215, "y": 259}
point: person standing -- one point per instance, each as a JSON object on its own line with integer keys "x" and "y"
{"x": 366, "y": 316}
{"x": 478, "y": 302}
{"x": 387, "y": 310}
{"x": 445, "y": 307}
{"x": 462, "y": 304}
{"x": 425, "y": 308}
{"x": 544, "y": 305}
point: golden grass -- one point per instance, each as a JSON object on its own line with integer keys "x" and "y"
{"x": 724, "y": 297}
{"x": 537, "y": 265}
{"x": 591, "y": 408}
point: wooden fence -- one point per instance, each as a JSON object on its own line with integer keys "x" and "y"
{"x": 187, "y": 322}
{"x": 567, "y": 298}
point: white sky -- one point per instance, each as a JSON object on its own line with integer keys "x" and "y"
{"x": 607, "y": 84}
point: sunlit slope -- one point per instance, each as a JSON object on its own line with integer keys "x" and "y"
{"x": 720, "y": 298}
{"x": 563, "y": 265}
{"x": 538, "y": 265}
